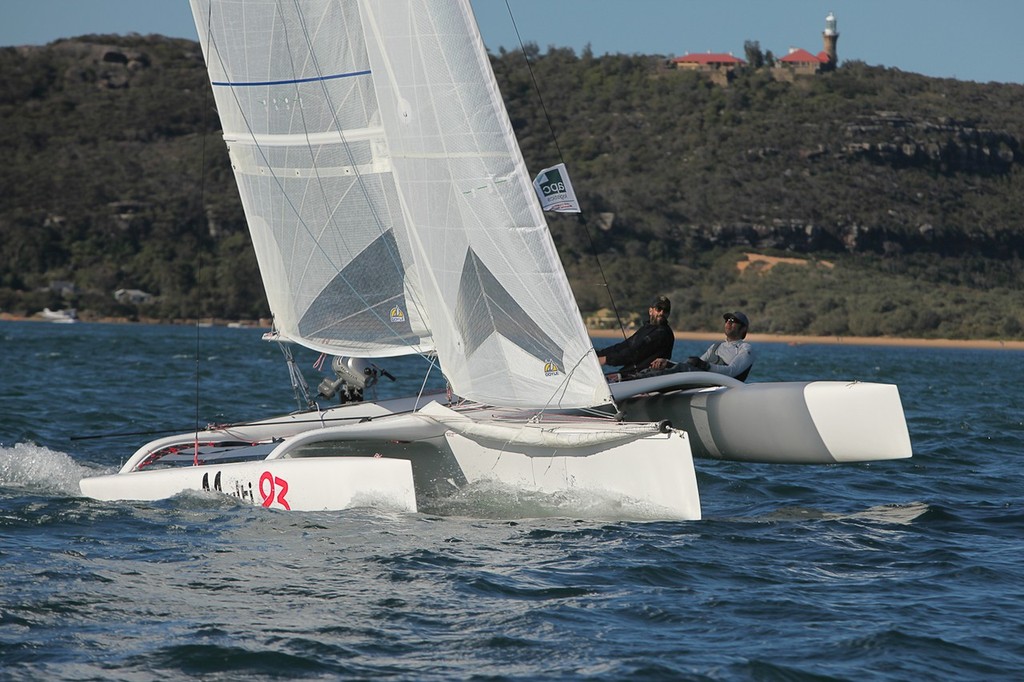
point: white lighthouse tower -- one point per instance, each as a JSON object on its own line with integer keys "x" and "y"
{"x": 830, "y": 36}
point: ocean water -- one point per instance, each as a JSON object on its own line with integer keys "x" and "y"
{"x": 903, "y": 570}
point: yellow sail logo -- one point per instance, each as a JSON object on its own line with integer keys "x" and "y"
{"x": 397, "y": 314}
{"x": 551, "y": 368}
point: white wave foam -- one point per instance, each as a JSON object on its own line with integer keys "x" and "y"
{"x": 901, "y": 514}
{"x": 495, "y": 500}
{"x": 34, "y": 467}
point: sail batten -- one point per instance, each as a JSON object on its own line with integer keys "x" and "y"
{"x": 304, "y": 138}
{"x": 390, "y": 206}
{"x": 291, "y": 81}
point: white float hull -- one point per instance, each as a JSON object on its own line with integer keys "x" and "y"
{"x": 290, "y": 484}
{"x": 815, "y": 422}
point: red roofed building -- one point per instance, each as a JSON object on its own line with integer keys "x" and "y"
{"x": 802, "y": 61}
{"x": 707, "y": 61}
{"x": 718, "y": 66}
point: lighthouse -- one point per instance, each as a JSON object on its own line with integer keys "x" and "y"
{"x": 830, "y": 36}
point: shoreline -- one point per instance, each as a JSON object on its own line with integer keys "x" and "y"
{"x": 789, "y": 339}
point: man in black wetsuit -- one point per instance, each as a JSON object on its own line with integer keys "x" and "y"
{"x": 651, "y": 341}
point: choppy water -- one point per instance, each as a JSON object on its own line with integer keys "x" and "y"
{"x": 902, "y": 570}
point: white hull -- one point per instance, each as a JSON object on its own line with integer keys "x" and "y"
{"x": 655, "y": 474}
{"x": 640, "y": 465}
{"x": 334, "y": 457}
{"x": 347, "y": 464}
{"x": 815, "y": 422}
{"x": 293, "y": 485}
{"x": 59, "y": 316}
{"x": 336, "y": 454}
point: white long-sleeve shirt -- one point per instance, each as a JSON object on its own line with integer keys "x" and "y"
{"x": 731, "y": 358}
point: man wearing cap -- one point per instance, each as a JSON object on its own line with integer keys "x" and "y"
{"x": 651, "y": 341}
{"x": 733, "y": 357}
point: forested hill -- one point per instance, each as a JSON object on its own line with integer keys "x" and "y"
{"x": 893, "y": 200}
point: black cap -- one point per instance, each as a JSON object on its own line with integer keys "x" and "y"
{"x": 739, "y": 317}
{"x": 663, "y": 304}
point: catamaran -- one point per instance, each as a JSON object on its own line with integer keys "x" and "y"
{"x": 392, "y": 213}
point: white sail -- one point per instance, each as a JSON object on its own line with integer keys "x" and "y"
{"x": 380, "y": 174}
{"x": 301, "y": 121}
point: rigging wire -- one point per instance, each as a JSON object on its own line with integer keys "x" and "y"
{"x": 299, "y": 386}
{"x": 205, "y": 119}
{"x": 561, "y": 158}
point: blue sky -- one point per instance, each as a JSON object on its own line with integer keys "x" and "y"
{"x": 977, "y": 40}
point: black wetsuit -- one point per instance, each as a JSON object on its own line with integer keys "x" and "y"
{"x": 647, "y": 343}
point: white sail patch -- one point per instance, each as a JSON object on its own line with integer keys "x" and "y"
{"x": 365, "y": 302}
{"x": 485, "y": 307}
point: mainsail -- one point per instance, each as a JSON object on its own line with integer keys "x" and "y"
{"x": 389, "y": 204}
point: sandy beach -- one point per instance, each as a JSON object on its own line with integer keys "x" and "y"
{"x": 709, "y": 337}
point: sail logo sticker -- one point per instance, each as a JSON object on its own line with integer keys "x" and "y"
{"x": 551, "y": 183}
{"x": 397, "y": 314}
{"x": 554, "y": 189}
{"x": 551, "y": 368}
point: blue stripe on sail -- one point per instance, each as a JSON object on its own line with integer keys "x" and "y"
{"x": 243, "y": 84}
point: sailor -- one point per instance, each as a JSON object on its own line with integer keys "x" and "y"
{"x": 650, "y": 342}
{"x": 733, "y": 357}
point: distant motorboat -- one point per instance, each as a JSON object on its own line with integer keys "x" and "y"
{"x": 63, "y": 316}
